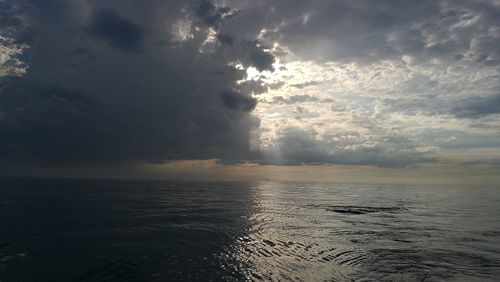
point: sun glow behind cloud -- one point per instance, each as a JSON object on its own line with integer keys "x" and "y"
{"x": 393, "y": 106}
{"x": 320, "y": 82}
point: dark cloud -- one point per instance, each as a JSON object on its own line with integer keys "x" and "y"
{"x": 478, "y": 107}
{"x": 109, "y": 26}
{"x": 238, "y": 101}
{"x": 85, "y": 54}
{"x": 364, "y": 32}
{"x": 212, "y": 15}
{"x": 253, "y": 86}
{"x": 226, "y": 39}
{"x": 11, "y": 21}
{"x": 83, "y": 101}
{"x": 109, "y": 81}
{"x": 256, "y": 55}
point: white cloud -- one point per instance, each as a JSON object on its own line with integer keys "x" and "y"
{"x": 383, "y": 99}
{"x": 10, "y": 64}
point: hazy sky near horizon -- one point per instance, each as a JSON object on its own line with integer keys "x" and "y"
{"x": 407, "y": 87}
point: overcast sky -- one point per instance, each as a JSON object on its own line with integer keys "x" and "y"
{"x": 388, "y": 85}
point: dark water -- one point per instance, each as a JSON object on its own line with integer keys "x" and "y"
{"x": 90, "y": 230}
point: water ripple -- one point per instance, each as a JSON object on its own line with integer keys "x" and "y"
{"x": 75, "y": 230}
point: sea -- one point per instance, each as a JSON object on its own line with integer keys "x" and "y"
{"x": 152, "y": 230}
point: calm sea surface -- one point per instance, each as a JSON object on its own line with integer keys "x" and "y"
{"x": 103, "y": 230}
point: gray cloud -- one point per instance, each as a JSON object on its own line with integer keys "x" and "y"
{"x": 109, "y": 81}
{"x": 213, "y": 15}
{"x": 305, "y": 84}
{"x": 238, "y": 101}
{"x": 458, "y": 140}
{"x": 298, "y": 99}
{"x": 109, "y": 26}
{"x": 253, "y": 86}
{"x": 364, "y": 32}
{"x": 83, "y": 100}
{"x": 257, "y": 56}
{"x": 478, "y": 106}
{"x": 297, "y": 146}
{"x": 471, "y": 107}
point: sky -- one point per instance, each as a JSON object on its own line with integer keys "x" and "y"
{"x": 329, "y": 90}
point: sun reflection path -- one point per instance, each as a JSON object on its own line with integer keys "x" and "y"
{"x": 288, "y": 241}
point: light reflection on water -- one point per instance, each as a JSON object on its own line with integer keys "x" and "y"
{"x": 94, "y": 230}
{"x": 311, "y": 232}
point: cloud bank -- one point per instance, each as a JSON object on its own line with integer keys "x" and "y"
{"x": 384, "y": 83}
{"x": 111, "y": 82}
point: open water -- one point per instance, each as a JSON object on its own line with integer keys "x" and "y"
{"x": 131, "y": 230}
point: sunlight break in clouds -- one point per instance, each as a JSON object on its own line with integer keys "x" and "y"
{"x": 397, "y": 85}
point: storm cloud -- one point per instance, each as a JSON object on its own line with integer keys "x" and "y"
{"x": 275, "y": 82}
{"x": 103, "y": 87}
{"x": 110, "y": 27}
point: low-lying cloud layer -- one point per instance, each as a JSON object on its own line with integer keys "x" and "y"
{"x": 384, "y": 83}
